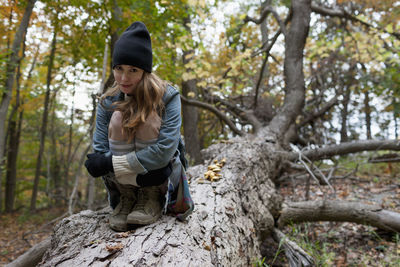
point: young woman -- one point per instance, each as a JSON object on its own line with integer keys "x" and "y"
{"x": 144, "y": 136}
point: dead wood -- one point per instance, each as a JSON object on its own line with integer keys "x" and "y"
{"x": 230, "y": 217}
{"x": 386, "y": 158}
{"x": 32, "y": 256}
{"x": 346, "y": 148}
{"x": 341, "y": 211}
{"x": 294, "y": 253}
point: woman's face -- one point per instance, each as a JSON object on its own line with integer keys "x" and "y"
{"x": 127, "y": 77}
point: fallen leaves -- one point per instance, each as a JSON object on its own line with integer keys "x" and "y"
{"x": 114, "y": 248}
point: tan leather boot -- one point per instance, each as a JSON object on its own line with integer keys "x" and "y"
{"x": 117, "y": 219}
{"x": 148, "y": 207}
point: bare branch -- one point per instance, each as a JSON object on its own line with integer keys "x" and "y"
{"x": 246, "y": 115}
{"x": 328, "y": 105}
{"x": 214, "y": 110}
{"x": 340, "y": 211}
{"x": 264, "y": 14}
{"x": 342, "y": 13}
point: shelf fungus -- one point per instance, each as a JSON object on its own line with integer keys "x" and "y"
{"x": 213, "y": 171}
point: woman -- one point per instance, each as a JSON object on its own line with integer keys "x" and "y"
{"x": 145, "y": 104}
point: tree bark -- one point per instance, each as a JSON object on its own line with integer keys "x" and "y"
{"x": 346, "y": 148}
{"x": 367, "y": 110}
{"x": 190, "y": 114}
{"x": 340, "y": 211}
{"x": 223, "y": 230}
{"x": 293, "y": 67}
{"x": 44, "y": 123}
{"x": 344, "y": 113}
{"x": 14, "y": 132}
{"x": 9, "y": 84}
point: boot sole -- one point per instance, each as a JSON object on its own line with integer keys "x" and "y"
{"x": 141, "y": 222}
{"x": 119, "y": 229}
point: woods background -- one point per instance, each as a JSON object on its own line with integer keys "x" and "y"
{"x": 241, "y": 66}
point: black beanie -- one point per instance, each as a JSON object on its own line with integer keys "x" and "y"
{"x": 134, "y": 48}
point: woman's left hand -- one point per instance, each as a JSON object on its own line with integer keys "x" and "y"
{"x": 99, "y": 164}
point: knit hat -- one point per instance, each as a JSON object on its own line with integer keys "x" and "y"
{"x": 134, "y": 48}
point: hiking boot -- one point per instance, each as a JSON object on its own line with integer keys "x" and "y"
{"x": 148, "y": 207}
{"x": 117, "y": 219}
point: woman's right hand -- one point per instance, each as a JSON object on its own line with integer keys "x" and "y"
{"x": 98, "y": 164}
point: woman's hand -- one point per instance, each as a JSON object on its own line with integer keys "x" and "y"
{"x": 99, "y": 164}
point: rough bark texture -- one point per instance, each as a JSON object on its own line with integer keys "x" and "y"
{"x": 293, "y": 69}
{"x": 340, "y": 211}
{"x": 229, "y": 217}
{"x": 190, "y": 114}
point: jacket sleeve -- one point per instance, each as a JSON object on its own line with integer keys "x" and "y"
{"x": 158, "y": 155}
{"x": 100, "y": 137}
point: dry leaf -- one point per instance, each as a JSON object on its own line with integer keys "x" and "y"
{"x": 206, "y": 247}
{"x": 112, "y": 248}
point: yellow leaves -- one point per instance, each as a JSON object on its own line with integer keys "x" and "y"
{"x": 197, "y": 3}
{"x": 187, "y": 76}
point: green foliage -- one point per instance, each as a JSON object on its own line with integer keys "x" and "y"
{"x": 315, "y": 249}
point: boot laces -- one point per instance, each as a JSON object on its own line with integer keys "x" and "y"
{"x": 126, "y": 204}
{"x": 143, "y": 197}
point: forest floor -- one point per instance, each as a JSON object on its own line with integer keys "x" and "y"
{"x": 21, "y": 230}
{"x": 345, "y": 244}
{"x": 330, "y": 243}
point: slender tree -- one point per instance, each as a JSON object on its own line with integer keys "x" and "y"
{"x": 9, "y": 84}
{"x": 43, "y": 129}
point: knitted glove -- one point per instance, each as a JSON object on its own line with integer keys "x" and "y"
{"x": 154, "y": 177}
{"x": 99, "y": 164}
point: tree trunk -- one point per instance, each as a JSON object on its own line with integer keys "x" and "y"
{"x": 344, "y": 113}
{"x": 68, "y": 162}
{"x": 229, "y": 216}
{"x": 44, "y": 123}
{"x": 55, "y": 166}
{"x": 115, "y": 28}
{"x": 190, "y": 114}
{"x": 9, "y": 84}
{"x": 293, "y": 67}
{"x": 14, "y": 132}
{"x": 367, "y": 109}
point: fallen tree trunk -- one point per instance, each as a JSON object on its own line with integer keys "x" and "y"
{"x": 340, "y": 211}
{"x": 347, "y": 148}
{"x": 32, "y": 256}
{"x": 230, "y": 217}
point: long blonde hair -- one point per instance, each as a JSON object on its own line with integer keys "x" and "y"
{"x": 146, "y": 98}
